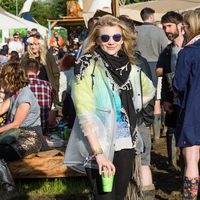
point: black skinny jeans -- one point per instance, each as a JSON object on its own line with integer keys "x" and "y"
{"x": 123, "y": 161}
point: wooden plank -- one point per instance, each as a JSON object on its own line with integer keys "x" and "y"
{"x": 47, "y": 164}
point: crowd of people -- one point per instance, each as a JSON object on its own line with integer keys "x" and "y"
{"x": 113, "y": 89}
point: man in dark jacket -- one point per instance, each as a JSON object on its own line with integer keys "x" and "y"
{"x": 172, "y": 25}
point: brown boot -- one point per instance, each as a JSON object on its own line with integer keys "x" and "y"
{"x": 149, "y": 192}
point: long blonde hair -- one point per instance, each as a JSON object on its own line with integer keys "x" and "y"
{"x": 127, "y": 36}
{"x": 42, "y": 52}
{"x": 192, "y": 19}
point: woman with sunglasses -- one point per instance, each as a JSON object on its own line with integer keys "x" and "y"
{"x": 187, "y": 88}
{"x": 48, "y": 68}
{"x": 107, "y": 95}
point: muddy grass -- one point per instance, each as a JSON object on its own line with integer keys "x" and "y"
{"x": 168, "y": 182}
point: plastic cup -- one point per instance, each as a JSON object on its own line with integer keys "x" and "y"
{"x": 107, "y": 182}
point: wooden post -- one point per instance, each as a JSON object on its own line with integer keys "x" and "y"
{"x": 115, "y": 7}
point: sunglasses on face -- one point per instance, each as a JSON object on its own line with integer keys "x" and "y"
{"x": 35, "y": 44}
{"x": 116, "y": 37}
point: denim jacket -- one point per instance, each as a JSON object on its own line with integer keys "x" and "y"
{"x": 96, "y": 113}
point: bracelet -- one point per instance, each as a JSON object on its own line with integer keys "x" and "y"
{"x": 97, "y": 152}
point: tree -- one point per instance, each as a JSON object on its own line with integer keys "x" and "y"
{"x": 41, "y": 11}
{"x": 10, "y": 5}
{"x": 59, "y": 7}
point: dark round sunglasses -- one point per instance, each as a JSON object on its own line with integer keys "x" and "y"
{"x": 116, "y": 37}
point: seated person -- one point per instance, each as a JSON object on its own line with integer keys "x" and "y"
{"x": 13, "y": 56}
{"x": 42, "y": 90}
{"x": 4, "y": 54}
{"x": 22, "y": 106}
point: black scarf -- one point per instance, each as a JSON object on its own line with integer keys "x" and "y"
{"x": 119, "y": 68}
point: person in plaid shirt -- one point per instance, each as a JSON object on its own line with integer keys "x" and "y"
{"x": 42, "y": 91}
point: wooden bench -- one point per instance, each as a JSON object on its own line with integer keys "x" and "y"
{"x": 48, "y": 164}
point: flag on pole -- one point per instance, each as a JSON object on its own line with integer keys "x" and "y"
{"x": 26, "y": 7}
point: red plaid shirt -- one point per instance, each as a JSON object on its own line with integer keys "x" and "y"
{"x": 42, "y": 91}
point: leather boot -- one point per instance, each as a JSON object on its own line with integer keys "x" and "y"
{"x": 7, "y": 185}
{"x": 148, "y": 192}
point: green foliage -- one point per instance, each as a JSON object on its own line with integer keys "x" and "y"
{"x": 10, "y": 5}
{"x": 41, "y": 11}
{"x": 54, "y": 187}
{"x": 59, "y": 8}
{"x": 0, "y": 36}
{"x": 22, "y": 31}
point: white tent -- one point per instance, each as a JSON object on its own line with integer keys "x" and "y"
{"x": 10, "y": 21}
{"x": 96, "y": 4}
{"x": 91, "y": 6}
{"x": 29, "y": 25}
{"x": 133, "y": 10}
{"x": 160, "y": 7}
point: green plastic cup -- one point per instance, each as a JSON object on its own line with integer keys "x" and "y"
{"x": 107, "y": 182}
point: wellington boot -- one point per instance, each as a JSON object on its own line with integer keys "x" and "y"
{"x": 148, "y": 192}
{"x": 190, "y": 188}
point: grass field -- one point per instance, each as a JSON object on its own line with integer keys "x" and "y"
{"x": 65, "y": 188}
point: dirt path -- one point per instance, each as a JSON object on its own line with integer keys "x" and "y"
{"x": 167, "y": 182}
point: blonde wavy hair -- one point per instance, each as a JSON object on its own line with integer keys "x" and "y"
{"x": 13, "y": 77}
{"x": 192, "y": 19}
{"x": 127, "y": 36}
{"x": 42, "y": 51}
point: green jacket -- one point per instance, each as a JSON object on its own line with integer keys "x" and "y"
{"x": 96, "y": 113}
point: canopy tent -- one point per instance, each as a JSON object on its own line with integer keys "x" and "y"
{"x": 29, "y": 25}
{"x": 91, "y": 6}
{"x": 160, "y": 7}
{"x": 10, "y": 21}
{"x": 133, "y": 10}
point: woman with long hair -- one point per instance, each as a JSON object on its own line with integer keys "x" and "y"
{"x": 187, "y": 88}
{"x": 108, "y": 90}
{"x": 48, "y": 68}
{"x": 18, "y": 100}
